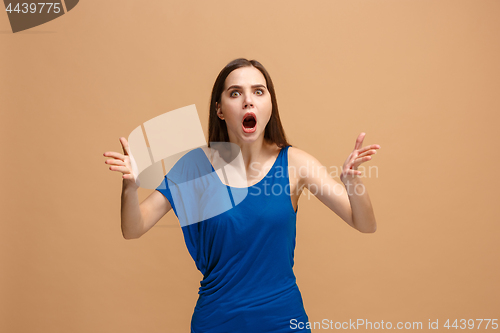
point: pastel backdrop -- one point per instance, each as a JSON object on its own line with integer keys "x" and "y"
{"x": 420, "y": 78}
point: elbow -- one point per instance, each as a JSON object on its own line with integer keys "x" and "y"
{"x": 369, "y": 230}
{"x": 132, "y": 233}
{"x": 127, "y": 236}
{"x": 366, "y": 228}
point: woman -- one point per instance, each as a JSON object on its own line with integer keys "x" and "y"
{"x": 246, "y": 253}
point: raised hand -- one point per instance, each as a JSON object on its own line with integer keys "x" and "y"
{"x": 124, "y": 163}
{"x": 359, "y": 155}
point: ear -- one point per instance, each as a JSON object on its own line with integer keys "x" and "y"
{"x": 219, "y": 112}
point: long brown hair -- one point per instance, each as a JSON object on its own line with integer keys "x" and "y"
{"x": 217, "y": 128}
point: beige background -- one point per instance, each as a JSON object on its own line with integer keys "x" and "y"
{"x": 421, "y": 78}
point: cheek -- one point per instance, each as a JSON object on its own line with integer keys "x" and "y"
{"x": 269, "y": 108}
{"x": 268, "y": 114}
{"x": 266, "y": 104}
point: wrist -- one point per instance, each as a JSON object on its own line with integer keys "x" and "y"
{"x": 129, "y": 185}
{"x": 346, "y": 180}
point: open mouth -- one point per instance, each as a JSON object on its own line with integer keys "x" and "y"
{"x": 249, "y": 121}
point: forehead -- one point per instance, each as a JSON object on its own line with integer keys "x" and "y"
{"x": 245, "y": 76}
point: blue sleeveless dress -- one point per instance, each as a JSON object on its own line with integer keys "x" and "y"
{"x": 245, "y": 253}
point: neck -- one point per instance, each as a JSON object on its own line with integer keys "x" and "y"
{"x": 253, "y": 152}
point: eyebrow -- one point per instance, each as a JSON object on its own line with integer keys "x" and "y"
{"x": 254, "y": 86}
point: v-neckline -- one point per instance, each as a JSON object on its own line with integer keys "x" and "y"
{"x": 247, "y": 187}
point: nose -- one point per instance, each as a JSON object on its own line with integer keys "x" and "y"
{"x": 248, "y": 102}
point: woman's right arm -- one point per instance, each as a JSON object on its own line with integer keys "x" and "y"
{"x": 136, "y": 219}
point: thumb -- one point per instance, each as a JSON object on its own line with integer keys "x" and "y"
{"x": 135, "y": 169}
{"x": 125, "y": 146}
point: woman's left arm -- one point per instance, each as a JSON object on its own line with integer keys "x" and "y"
{"x": 363, "y": 217}
{"x": 349, "y": 201}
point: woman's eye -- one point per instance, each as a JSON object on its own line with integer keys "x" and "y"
{"x": 260, "y": 90}
{"x": 234, "y": 92}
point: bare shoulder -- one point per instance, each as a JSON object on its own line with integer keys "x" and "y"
{"x": 297, "y": 161}
{"x": 298, "y": 157}
{"x": 303, "y": 163}
{"x": 296, "y": 154}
